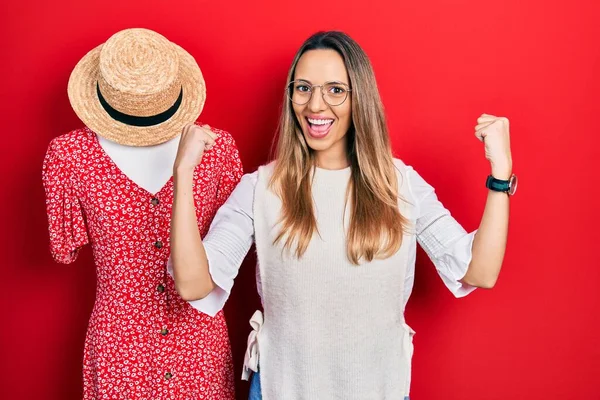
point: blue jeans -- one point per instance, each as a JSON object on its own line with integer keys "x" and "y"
{"x": 255, "y": 392}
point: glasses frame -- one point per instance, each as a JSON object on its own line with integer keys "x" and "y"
{"x": 312, "y": 90}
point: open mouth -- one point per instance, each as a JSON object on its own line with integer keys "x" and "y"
{"x": 319, "y": 127}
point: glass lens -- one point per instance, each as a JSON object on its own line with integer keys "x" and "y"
{"x": 299, "y": 92}
{"x": 335, "y": 93}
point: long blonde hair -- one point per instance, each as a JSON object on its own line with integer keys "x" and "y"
{"x": 376, "y": 225}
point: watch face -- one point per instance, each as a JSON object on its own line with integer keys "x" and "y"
{"x": 513, "y": 185}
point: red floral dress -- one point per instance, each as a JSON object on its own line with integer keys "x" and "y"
{"x": 143, "y": 340}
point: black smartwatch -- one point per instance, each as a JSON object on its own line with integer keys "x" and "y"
{"x": 509, "y": 187}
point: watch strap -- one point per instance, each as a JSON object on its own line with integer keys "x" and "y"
{"x": 497, "y": 185}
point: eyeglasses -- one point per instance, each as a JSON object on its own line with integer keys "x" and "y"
{"x": 334, "y": 93}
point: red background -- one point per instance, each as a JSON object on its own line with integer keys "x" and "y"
{"x": 439, "y": 64}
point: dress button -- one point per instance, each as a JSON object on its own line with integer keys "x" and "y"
{"x": 164, "y": 331}
{"x": 168, "y": 375}
{"x": 154, "y": 201}
{"x": 158, "y": 244}
{"x": 160, "y": 288}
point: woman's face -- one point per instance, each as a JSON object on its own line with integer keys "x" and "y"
{"x": 324, "y": 125}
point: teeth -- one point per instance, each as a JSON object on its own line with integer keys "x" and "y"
{"x": 320, "y": 121}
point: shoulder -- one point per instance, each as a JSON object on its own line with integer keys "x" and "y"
{"x": 249, "y": 180}
{"x": 70, "y": 147}
{"x": 403, "y": 172}
{"x": 78, "y": 139}
{"x": 224, "y": 156}
{"x": 266, "y": 169}
{"x": 224, "y": 138}
{"x": 225, "y": 151}
{"x": 263, "y": 175}
{"x": 401, "y": 166}
{"x": 225, "y": 142}
{"x": 411, "y": 185}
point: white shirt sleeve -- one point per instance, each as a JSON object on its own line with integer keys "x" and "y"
{"x": 444, "y": 240}
{"x": 229, "y": 239}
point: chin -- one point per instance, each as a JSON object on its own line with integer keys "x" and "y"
{"x": 318, "y": 144}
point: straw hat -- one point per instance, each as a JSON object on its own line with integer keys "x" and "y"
{"x": 137, "y": 89}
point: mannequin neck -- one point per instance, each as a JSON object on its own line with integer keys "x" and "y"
{"x": 150, "y": 167}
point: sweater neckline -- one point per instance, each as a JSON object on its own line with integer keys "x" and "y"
{"x": 333, "y": 172}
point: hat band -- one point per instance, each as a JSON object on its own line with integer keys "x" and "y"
{"x": 139, "y": 121}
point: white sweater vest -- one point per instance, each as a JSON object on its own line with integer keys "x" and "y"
{"x": 332, "y": 330}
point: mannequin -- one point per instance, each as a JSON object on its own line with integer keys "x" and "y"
{"x": 110, "y": 185}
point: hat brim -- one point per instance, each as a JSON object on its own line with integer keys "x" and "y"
{"x": 84, "y": 101}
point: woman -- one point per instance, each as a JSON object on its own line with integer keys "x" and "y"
{"x": 335, "y": 219}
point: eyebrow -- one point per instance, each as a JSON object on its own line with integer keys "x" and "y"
{"x": 309, "y": 82}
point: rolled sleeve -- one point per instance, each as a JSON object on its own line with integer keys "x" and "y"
{"x": 444, "y": 240}
{"x": 229, "y": 239}
{"x": 214, "y": 301}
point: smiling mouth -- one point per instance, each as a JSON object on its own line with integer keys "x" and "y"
{"x": 319, "y": 127}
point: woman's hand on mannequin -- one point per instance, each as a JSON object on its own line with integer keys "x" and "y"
{"x": 190, "y": 264}
{"x": 195, "y": 140}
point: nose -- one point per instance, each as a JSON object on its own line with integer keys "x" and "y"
{"x": 316, "y": 102}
